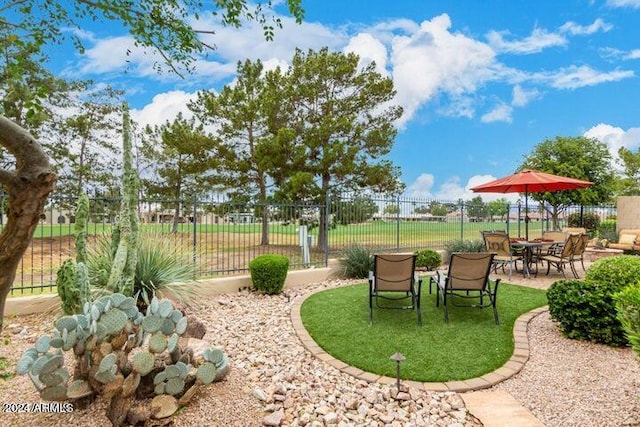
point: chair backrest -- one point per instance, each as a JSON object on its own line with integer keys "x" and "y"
{"x": 497, "y": 243}
{"x": 469, "y": 271}
{"x": 394, "y": 272}
{"x": 556, "y": 236}
{"x": 581, "y": 244}
{"x": 569, "y": 245}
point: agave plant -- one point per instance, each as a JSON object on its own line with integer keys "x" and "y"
{"x": 161, "y": 268}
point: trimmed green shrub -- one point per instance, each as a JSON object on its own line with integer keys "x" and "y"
{"x": 615, "y": 271}
{"x": 356, "y": 262}
{"x": 268, "y": 273}
{"x": 461, "y": 245}
{"x": 590, "y": 221}
{"x": 585, "y": 310}
{"x": 428, "y": 258}
{"x": 628, "y": 307}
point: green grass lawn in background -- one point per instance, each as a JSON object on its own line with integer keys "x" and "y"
{"x": 471, "y": 345}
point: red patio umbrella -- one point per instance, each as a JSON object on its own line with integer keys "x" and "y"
{"x": 530, "y": 181}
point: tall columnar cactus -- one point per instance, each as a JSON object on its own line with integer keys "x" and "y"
{"x": 73, "y": 276}
{"x": 125, "y": 235}
{"x": 121, "y": 354}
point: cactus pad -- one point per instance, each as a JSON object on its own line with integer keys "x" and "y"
{"x": 143, "y": 362}
{"x": 107, "y": 362}
{"x": 105, "y": 377}
{"x": 157, "y": 343}
{"x": 130, "y": 384}
{"x": 159, "y": 388}
{"x": 55, "y": 393}
{"x": 70, "y": 340}
{"x": 174, "y": 386}
{"x": 117, "y": 299}
{"x": 113, "y": 321}
{"x": 184, "y": 369}
{"x": 66, "y": 322}
{"x": 56, "y": 342}
{"x": 181, "y": 326}
{"x": 168, "y": 327}
{"x": 47, "y": 363}
{"x": 160, "y": 378}
{"x": 79, "y": 389}
{"x": 152, "y": 323}
{"x": 176, "y": 315}
{"x": 127, "y": 304}
{"x": 206, "y": 372}
{"x": 24, "y": 364}
{"x": 165, "y": 308}
{"x": 172, "y": 343}
{"x": 172, "y": 371}
{"x": 51, "y": 379}
{"x": 42, "y": 345}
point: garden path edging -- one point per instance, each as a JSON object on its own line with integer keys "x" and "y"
{"x": 510, "y": 368}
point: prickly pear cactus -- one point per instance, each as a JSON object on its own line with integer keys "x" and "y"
{"x": 121, "y": 354}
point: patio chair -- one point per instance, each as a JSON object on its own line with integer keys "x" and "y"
{"x": 563, "y": 258}
{"x": 578, "y": 252}
{"x": 468, "y": 278}
{"x": 500, "y": 245}
{"x": 394, "y": 278}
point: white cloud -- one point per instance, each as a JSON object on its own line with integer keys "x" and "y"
{"x": 434, "y": 59}
{"x": 576, "y": 29}
{"x": 634, "y": 4}
{"x": 500, "y": 113}
{"x": 522, "y": 97}
{"x": 574, "y": 77}
{"x": 539, "y": 40}
{"x": 615, "y": 138}
{"x": 164, "y": 107}
{"x": 633, "y": 54}
{"x": 451, "y": 190}
{"x": 369, "y": 49}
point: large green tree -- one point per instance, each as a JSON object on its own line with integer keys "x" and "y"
{"x": 341, "y": 127}
{"x": 629, "y": 183}
{"x": 160, "y": 26}
{"x": 182, "y": 162}
{"x": 239, "y": 113}
{"x": 576, "y": 157}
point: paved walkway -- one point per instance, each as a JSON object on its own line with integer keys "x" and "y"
{"x": 492, "y": 408}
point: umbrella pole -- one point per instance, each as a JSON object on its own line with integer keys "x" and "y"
{"x": 526, "y": 213}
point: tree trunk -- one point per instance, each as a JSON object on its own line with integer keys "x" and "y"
{"x": 28, "y": 187}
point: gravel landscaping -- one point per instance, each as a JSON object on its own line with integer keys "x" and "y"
{"x": 275, "y": 381}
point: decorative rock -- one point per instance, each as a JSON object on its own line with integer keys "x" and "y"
{"x": 195, "y": 328}
{"x": 273, "y": 419}
{"x": 330, "y": 418}
{"x": 260, "y": 394}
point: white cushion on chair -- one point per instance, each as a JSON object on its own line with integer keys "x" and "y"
{"x": 627, "y": 239}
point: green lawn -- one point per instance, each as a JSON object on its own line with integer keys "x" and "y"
{"x": 469, "y": 346}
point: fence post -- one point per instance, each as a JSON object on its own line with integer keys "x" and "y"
{"x": 327, "y": 215}
{"x": 397, "y": 223}
{"x": 195, "y": 235}
{"x": 461, "y": 219}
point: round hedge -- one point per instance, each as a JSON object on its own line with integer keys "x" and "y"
{"x": 268, "y": 273}
{"x": 615, "y": 271}
{"x": 586, "y": 309}
{"x": 428, "y": 258}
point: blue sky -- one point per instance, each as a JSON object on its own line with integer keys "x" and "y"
{"x": 481, "y": 82}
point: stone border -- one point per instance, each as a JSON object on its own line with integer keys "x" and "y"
{"x": 510, "y": 368}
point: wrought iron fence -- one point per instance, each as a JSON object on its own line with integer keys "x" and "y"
{"x": 222, "y": 237}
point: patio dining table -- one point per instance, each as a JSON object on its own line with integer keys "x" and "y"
{"x": 528, "y": 247}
